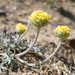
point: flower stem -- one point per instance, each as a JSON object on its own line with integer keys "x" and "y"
{"x": 22, "y": 53}
{"x": 24, "y": 62}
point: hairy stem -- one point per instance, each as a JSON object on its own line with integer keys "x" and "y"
{"x": 24, "y": 62}
{"x": 22, "y": 53}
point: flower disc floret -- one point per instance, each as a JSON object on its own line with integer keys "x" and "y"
{"x": 39, "y": 18}
{"x": 40, "y": 15}
{"x": 20, "y": 28}
{"x": 62, "y": 31}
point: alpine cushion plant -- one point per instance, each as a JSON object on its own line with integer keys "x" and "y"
{"x": 14, "y": 49}
{"x": 39, "y": 18}
{"x": 21, "y": 46}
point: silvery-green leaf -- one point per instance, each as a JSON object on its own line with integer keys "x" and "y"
{"x": 4, "y": 68}
{"x": 0, "y": 71}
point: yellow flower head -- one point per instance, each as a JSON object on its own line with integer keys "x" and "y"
{"x": 62, "y": 31}
{"x": 39, "y": 18}
{"x": 39, "y": 15}
{"x": 20, "y": 28}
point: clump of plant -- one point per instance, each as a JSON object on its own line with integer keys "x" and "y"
{"x": 13, "y": 46}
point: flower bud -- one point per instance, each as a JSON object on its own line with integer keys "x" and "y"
{"x": 20, "y": 28}
{"x": 62, "y": 31}
{"x": 39, "y": 18}
{"x": 4, "y": 30}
